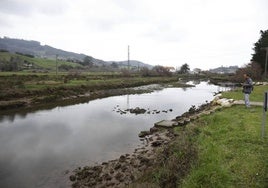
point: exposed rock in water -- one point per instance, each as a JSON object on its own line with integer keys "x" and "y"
{"x": 72, "y": 177}
{"x": 137, "y": 110}
{"x": 144, "y": 133}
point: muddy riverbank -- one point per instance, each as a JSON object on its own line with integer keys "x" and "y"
{"x": 71, "y": 95}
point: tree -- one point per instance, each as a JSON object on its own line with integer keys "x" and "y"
{"x": 145, "y": 71}
{"x": 184, "y": 69}
{"x": 161, "y": 71}
{"x": 260, "y": 54}
{"x": 88, "y": 61}
{"x": 114, "y": 65}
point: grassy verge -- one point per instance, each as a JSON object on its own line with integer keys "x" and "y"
{"x": 256, "y": 95}
{"x": 224, "y": 149}
{"x": 231, "y": 152}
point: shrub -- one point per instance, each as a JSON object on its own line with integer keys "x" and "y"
{"x": 253, "y": 69}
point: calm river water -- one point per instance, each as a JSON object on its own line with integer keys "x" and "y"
{"x": 39, "y": 148}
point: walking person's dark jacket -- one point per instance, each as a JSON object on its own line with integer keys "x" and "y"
{"x": 248, "y": 86}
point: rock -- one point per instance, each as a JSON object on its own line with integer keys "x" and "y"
{"x": 122, "y": 158}
{"x": 144, "y": 160}
{"x": 110, "y": 184}
{"x": 178, "y": 118}
{"x": 187, "y": 120}
{"x": 97, "y": 168}
{"x": 225, "y": 102}
{"x": 137, "y": 110}
{"x": 72, "y": 177}
{"x": 119, "y": 176}
{"x": 90, "y": 172}
{"x": 192, "y": 118}
{"x": 111, "y": 171}
{"x": 142, "y": 168}
{"x": 117, "y": 166}
{"x": 124, "y": 168}
{"x": 107, "y": 177}
{"x": 91, "y": 183}
{"x": 217, "y": 96}
{"x": 153, "y": 130}
{"x": 181, "y": 123}
{"x": 165, "y": 123}
{"x": 144, "y": 133}
{"x": 206, "y": 112}
{"x": 99, "y": 179}
{"x": 156, "y": 143}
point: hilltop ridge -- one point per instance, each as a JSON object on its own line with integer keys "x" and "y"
{"x": 35, "y": 48}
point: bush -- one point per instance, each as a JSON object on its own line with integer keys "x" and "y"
{"x": 125, "y": 73}
{"x": 65, "y": 67}
{"x": 161, "y": 71}
{"x": 253, "y": 69}
{"x": 144, "y": 71}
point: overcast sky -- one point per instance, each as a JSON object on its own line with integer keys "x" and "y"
{"x": 203, "y": 33}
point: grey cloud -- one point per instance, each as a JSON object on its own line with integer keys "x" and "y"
{"x": 129, "y": 5}
{"x": 166, "y": 32}
{"x": 4, "y": 23}
{"x": 101, "y": 24}
{"x": 15, "y": 7}
{"x": 53, "y": 7}
{"x": 29, "y": 8}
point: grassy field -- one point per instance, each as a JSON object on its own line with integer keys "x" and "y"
{"x": 37, "y": 62}
{"x": 231, "y": 150}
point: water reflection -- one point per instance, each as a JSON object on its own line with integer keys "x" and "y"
{"x": 38, "y": 147}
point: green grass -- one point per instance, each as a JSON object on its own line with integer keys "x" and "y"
{"x": 231, "y": 150}
{"x": 257, "y": 94}
{"x": 38, "y": 62}
{"x": 51, "y": 64}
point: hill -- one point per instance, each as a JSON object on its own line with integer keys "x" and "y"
{"x": 224, "y": 70}
{"x": 17, "y": 62}
{"x": 34, "y": 48}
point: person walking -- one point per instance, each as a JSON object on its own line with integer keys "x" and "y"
{"x": 247, "y": 89}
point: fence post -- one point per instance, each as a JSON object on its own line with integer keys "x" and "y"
{"x": 264, "y": 114}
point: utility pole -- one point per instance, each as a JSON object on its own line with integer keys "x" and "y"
{"x": 266, "y": 59}
{"x": 57, "y": 66}
{"x": 128, "y": 57}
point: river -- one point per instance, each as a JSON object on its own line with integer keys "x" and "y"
{"x": 41, "y": 148}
